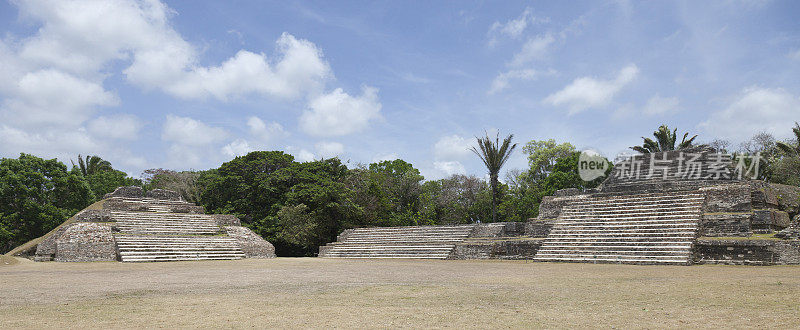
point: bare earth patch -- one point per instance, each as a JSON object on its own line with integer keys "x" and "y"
{"x": 311, "y": 292}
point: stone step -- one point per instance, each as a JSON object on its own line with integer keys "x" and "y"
{"x": 180, "y": 258}
{"x": 618, "y": 246}
{"x": 564, "y": 239}
{"x": 389, "y": 256}
{"x": 631, "y": 212}
{"x": 629, "y": 260}
{"x": 637, "y": 201}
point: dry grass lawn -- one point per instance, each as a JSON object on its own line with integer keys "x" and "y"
{"x": 317, "y": 293}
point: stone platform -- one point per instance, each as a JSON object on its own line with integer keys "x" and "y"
{"x": 652, "y": 212}
{"x": 132, "y": 227}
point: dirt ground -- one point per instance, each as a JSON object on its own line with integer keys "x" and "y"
{"x": 311, "y": 292}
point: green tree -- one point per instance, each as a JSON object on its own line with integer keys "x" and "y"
{"x": 92, "y": 165}
{"x": 36, "y": 195}
{"x": 104, "y": 182}
{"x": 494, "y": 155}
{"x": 190, "y": 184}
{"x": 388, "y": 193}
{"x": 789, "y": 148}
{"x": 542, "y": 156}
{"x": 664, "y": 141}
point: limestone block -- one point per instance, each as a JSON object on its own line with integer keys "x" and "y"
{"x": 727, "y": 198}
{"x": 226, "y": 220}
{"x": 538, "y": 228}
{"x": 498, "y": 229}
{"x": 770, "y": 219}
{"x": 726, "y": 224}
{"x": 128, "y": 192}
{"x": 550, "y": 207}
{"x": 93, "y": 216}
{"x": 187, "y": 208}
{"x": 121, "y": 205}
{"x": 164, "y": 195}
{"x": 252, "y": 245}
{"x": 86, "y": 241}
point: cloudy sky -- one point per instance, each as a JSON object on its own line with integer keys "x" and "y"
{"x": 191, "y": 84}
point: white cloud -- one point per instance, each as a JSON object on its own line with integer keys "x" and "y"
{"x": 534, "y": 49}
{"x": 795, "y": 55}
{"x": 50, "y": 97}
{"x": 337, "y": 113}
{"x": 754, "y": 110}
{"x": 658, "y": 105}
{"x": 329, "y": 149}
{"x": 300, "y": 70}
{"x": 123, "y": 127}
{"x": 238, "y": 147}
{"x": 265, "y": 132}
{"x": 305, "y": 156}
{"x": 586, "y": 92}
{"x": 190, "y": 132}
{"x": 451, "y": 147}
{"x": 512, "y": 28}
{"x": 503, "y": 80}
{"x": 383, "y": 157}
{"x": 449, "y": 168}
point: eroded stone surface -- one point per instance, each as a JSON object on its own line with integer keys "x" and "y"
{"x": 128, "y": 192}
{"x": 164, "y": 194}
{"x": 86, "y": 241}
{"x": 252, "y": 245}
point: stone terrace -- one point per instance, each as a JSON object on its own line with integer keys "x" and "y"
{"x": 418, "y": 242}
{"x": 158, "y": 227}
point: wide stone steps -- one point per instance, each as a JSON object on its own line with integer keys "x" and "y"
{"x": 165, "y": 223}
{"x": 422, "y": 242}
{"x": 650, "y": 229}
{"x": 141, "y": 248}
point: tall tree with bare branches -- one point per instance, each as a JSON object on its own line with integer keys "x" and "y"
{"x": 494, "y": 155}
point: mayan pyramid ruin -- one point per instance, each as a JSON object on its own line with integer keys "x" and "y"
{"x": 130, "y": 226}
{"x": 672, "y": 208}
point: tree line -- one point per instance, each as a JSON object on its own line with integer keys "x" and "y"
{"x": 299, "y": 206}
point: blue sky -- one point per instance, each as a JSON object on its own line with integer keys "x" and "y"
{"x": 192, "y": 84}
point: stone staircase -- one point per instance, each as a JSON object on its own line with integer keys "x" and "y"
{"x": 415, "y": 242}
{"x": 143, "y": 248}
{"x": 158, "y": 223}
{"x": 657, "y": 228}
{"x": 158, "y": 235}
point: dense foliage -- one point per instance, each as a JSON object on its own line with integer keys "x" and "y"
{"x": 37, "y": 195}
{"x": 300, "y": 206}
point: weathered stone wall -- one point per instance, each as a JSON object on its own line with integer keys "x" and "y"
{"x": 498, "y": 229}
{"x": 747, "y": 252}
{"x": 725, "y": 224}
{"x": 538, "y": 228}
{"x": 226, "y": 220}
{"x": 126, "y": 206}
{"x": 727, "y": 198}
{"x": 86, "y": 241}
{"x": 252, "y": 245}
{"x": 164, "y": 195}
{"x": 766, "y": 221}
{"x": 127, "y": 192}
{"x": 93, "y": 216}
{"x": 550, "y": 207}
{"x": 496, "y": 249}
{"x": 187, "y": 208}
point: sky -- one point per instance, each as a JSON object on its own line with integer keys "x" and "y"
{"x": 192, "y": 84}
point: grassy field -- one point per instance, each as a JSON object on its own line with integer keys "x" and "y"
{"x": 310, "y": 292}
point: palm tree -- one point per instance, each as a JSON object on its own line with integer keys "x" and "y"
{"x": 92, "y": 165}
{"x": 494, "y": 156}
{"x": 788, "y": 148}
{"x": 665, "y": 141}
